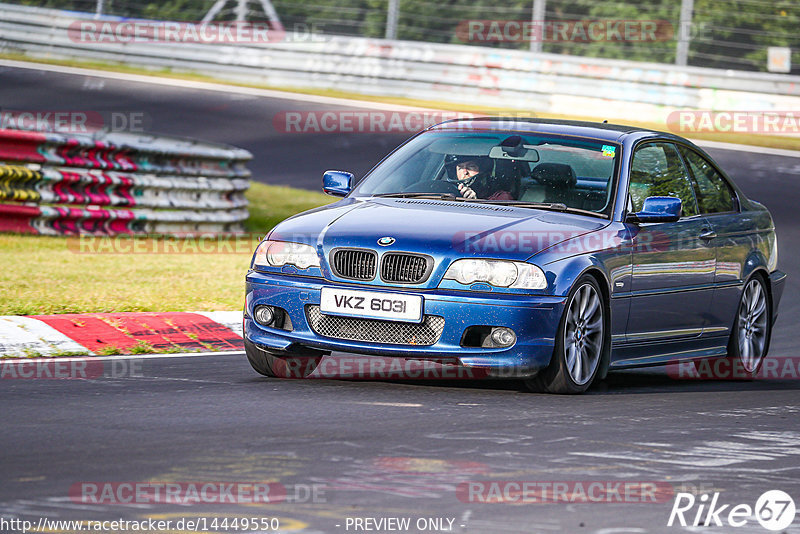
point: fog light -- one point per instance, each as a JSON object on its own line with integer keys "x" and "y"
{"x": 503, "y": 337}
{"x": 264, "y": 315}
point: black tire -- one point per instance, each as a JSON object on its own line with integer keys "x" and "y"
{"x": 751, "y": 330}
{"x": 280, "y": 366}
{"x": 258, "y": 359}
{"x": 576, "y": 332}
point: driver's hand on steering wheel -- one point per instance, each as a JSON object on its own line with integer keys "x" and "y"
{"x": 466, "y": 192}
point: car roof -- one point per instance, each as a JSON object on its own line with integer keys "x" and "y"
{"x": 597, "y": 130}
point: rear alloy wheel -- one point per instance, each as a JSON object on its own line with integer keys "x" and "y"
{"x": 580, "y": 342}
{"x": 279, "y": 366}
{"x": 752, "y": 328}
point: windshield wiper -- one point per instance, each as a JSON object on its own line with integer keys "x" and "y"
{"x": 555, "y": 206}
{"x": 435, "y": 196}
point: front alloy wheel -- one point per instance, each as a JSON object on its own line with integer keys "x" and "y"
{"x": 580, "y": 342}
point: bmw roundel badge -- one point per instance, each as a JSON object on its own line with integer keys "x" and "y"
{"x": 386, "y": 241}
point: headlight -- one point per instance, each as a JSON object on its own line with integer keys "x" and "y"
{"x": 498, "y": 273}
{"x": 280, "y": 253}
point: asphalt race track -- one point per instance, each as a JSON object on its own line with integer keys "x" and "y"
{"x": 387, "y": 449}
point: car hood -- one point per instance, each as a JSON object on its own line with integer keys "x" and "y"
{"x": 445, "y": 230}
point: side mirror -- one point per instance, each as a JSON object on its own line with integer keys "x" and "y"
{"x": 337, "y": 183}
{"x": 658, "y": 210}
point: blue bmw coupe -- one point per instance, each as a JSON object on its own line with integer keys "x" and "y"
{"x": 553, "y": 251}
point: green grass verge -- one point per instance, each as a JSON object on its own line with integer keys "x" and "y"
{"x": 31, "y": 354}
{"x": 45, "y": 275}
{"x": 771, "y": 141}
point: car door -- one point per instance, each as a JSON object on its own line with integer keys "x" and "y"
{"x": 673, "y": 264}
{"x": 732, "y": 240}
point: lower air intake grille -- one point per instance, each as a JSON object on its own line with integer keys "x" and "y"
{"x": 376, "y": 331}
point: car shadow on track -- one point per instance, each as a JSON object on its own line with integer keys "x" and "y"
{"x": 630, "y": 382}
{"x": 657, "y": 380}
{"x": 647, "y": 380}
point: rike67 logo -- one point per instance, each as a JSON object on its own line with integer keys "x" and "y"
{"x": 774, "y": 510}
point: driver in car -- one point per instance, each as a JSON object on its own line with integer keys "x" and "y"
{"x": 470, "y": 180}
{"x": 466, "y": 173}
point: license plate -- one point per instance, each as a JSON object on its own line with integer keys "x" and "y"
{"x": 371, "y": 304}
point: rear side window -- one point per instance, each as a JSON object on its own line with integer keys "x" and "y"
{"x": 714, "y": 195}
{"x": 657, "y": 170}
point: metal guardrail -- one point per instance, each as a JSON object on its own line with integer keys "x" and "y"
{"x": 62, "y": 184}
{"x": 458, "y": 73}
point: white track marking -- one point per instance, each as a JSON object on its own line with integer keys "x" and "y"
{"x": 739, "y": 448}
{"x": 231, "y": 319}
{"x": 19, "y": 333}
{"x": 141, "y": 356}
{"x": 393, "y": 404}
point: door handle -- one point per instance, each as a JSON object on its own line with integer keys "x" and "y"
{"x": 707, "y": 234}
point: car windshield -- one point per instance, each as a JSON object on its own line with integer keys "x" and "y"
{"x": 503, "y": 167}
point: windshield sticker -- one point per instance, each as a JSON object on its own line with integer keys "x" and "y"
{"x": 609, "y": 151}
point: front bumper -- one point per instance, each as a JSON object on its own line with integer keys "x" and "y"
{"x": 777, "y": 282}
{"x": 534, "y": 319}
